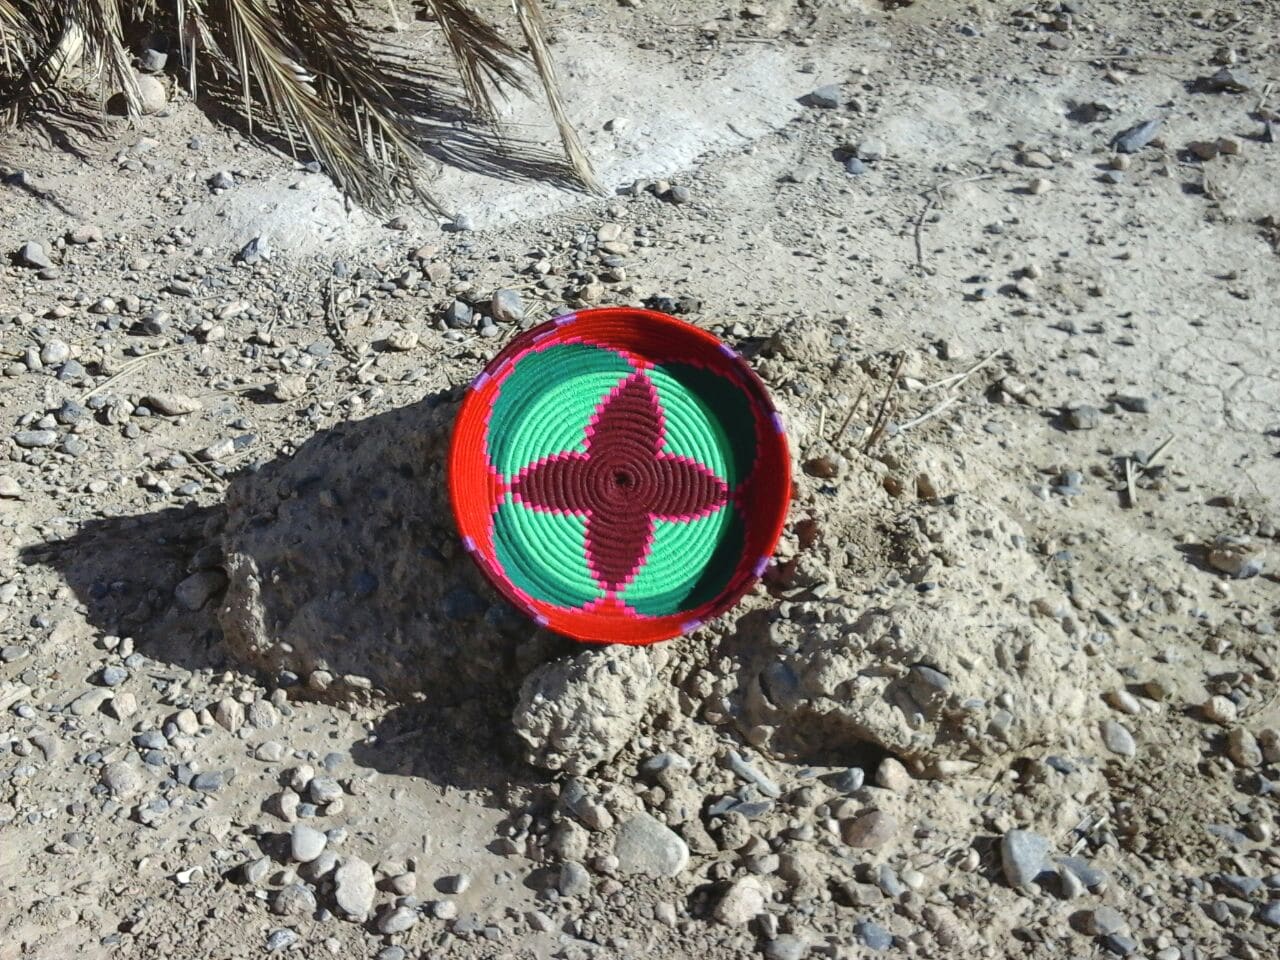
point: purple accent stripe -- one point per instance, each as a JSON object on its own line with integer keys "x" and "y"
{"x": 539, "y": 337}
{"x": 566, "y": 319}
{"x": 690, "y": 625}
{"x": 727, "y": 350}
{"x": 480, "y": 381}
{"x": 761, "y": 566}
{"x": 777, "y": 422}
{"x": 541, "y": 621}
{"x": 469, "y": 545}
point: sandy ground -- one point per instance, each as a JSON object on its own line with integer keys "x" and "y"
{"x": 1007, "y": 690}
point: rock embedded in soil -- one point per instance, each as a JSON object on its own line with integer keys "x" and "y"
{"x": 1023, "y": 856}
{"x": 742, "y": 902}
{"x": 353, "y": 888}
{"x": 645, "y": 845}
{"x": 1117, "y": 738}
{"x": 577, "y": 713}
{"x": 31, "y": 254}
{"x": 122, "y": 779}
{"x": 871, "y": 830}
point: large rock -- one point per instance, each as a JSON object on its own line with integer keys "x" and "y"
{"x": 647, "y": 846}
{"x": 343, "y": 567}
{"x": 577, "y": 713}
{"x": 979, "y": 663}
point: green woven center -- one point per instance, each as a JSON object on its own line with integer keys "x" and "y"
{"x": 618, "y": 481}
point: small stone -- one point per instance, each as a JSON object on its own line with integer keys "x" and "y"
{"x": 1269, "y": 913}
{"x": 646, "y": 846}
{"x": 1103, "y": 921}
{"x": 228, "y": 713}
{"x": 458, "y": 315}
{"x": 281, "y": 939}
{"x": 871, "y": 830}
{"x": 1120, "y": 945}
{"x": 855, "y": 167}
{"x": 1026, "y": 288}
{"x": 679, "y": 194}
{"x": 1083, "y": 417}
{"x": 1039, "y": 186}
{"x": 1238, "y": 557}
{"x": 787, "y": 946}
{"x": 892, "y": 775}
{"x": 353, "y": 888}
{"x": 1023, "y": 855}
{"x": 269, "y": 751}
{"x": 1035, "y": 158}
{"x": 871, "y": 150}
{"x": 402, "y": 340}
{"x": 506, "y": 306}
{"x": 171, "y": 404}
{"x": 210, "y": 781}
{"x": 324, "y": 790}
{"x": 152, "y": 94}
{"x": 222, "y": 180}
{"x": 256, "y": 250}
{"x": 1117, "y": 738}
{"x": 84, "y": 233}
{"x": 306, "y": 843}
{"x": 262, "y": 715}
{"x": 462, "y": 223}
{"x": 196, "y": 590}
{"x": 1135, "y": 138}
{"x": 1243, "y": 748}
{"x": 255, "y": 871}
{"x": 10, "y": 489}
{"x": 123, "y": 780}
{"x": 288, "y": 388}
{"x": 31, "y": 254}
{"x": 872, "y": 935}
{"x": 1269, "y": 743}
{"x": 397, "y": 920}
{"x": 825, "y": 97}
{"x": 1219, "y": 710}
{"x": 89, "y": 702}
{"x": 1203, "y": 149}
{"x": 34, "y": 439}
{"x": 574, "y": 880}
{"x": 742, "y": 902}
{"x": 294, "y": 900}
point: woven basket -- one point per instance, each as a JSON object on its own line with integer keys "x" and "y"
{"x": 619, "y": 475}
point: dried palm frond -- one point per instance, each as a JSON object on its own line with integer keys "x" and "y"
{"x": 306, "y": 70}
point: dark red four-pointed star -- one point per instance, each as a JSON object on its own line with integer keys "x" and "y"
{"x": 622, "y": 483}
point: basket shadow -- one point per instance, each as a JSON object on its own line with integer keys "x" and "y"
{"x": 334, "y": 572}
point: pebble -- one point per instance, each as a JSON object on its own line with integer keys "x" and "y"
{"x": 228, "y": 713}
{"x": 353, "y": 888}
{"x": 506, "y": 306}
{"x": 113, "y": 675}
{"x": 573, "y": 880}
{"x": 1238, "y": 557}
{"x": 1083, "y": 417}
{"x": 825, "y": 97}
{"x": 458, "y": 315}
{"x": 871, "y": 150}
{"x": 1135, "y": 138}
{"x": 1243, "y": 749}
{"x": 294, "y": 900}
{"x": 871, "y": 830}
{"x": 1039, "y": 186}
{"x": 1117, "y": 738}
{"x": 196, "y": 590}
{"x": 122, "y": 779}
{"x": 222, "y": 180}
{"x": 10, "y": 489}
{"x": 1219, "y": 710}
{"x": 892, "y": 775}
{"x": 1269, "y": 913}
{"x": 1023, "y": 855}
{"x": 679, "y": 194}
{"x": 255, "y": 871}
{"x": 33, "y": 439}
{"x": 872, "y": 935}
{"x": 31, "y": 254}
{"x": 84, "y": 233}
{"x": 750, "y": 774}
{"x": 281, "y": 939}
{"x": 257, "y": 249}
{"x": 324, "y": 790}
{"x": 742, "y": 902}
{"x": 787, "y": 946}
{"x": 171, "y": 404}
{"x": 402, "y": 340}
{"x": 1103, "y": 921}
{"x": 306, "y": 843}
{"x": 89, "y": 702}
{"x": 54, "y": 352}
{"x": 855, "y": 167}
{"x": 646, "y": 846}
{"x": 397, "y": 920}
{"x": 1120, "y": 945}
{"x": 210, "y": 781}
{"x": 152, "y": 94}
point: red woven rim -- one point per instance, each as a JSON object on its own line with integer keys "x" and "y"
{"x": 762, "y": 498}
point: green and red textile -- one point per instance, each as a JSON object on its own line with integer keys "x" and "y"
{"x": 619, "y": 474}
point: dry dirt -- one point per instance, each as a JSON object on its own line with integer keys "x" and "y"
{"x": 1002, "y": 631}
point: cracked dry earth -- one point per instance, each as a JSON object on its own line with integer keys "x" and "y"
{"x": 1010, "y": 686}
